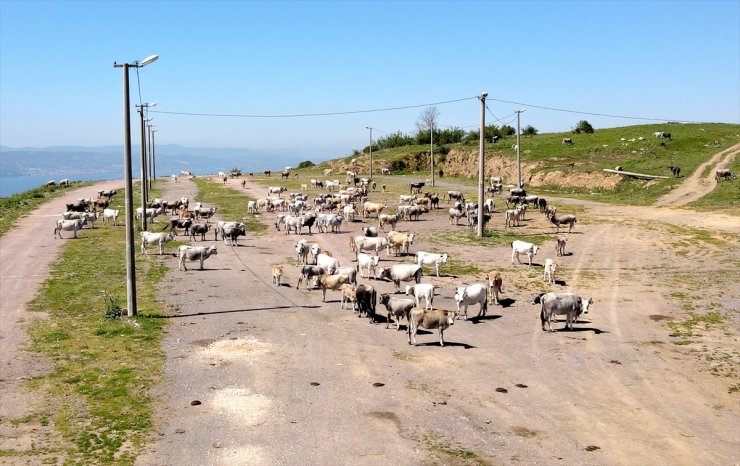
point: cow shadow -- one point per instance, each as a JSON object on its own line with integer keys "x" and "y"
{"x": 447, "y": 343}
{"x": 478, "y": 320}
{"x": 596, "y": 331}
{"x": 506, "y": 302}
{"x": 232, "y": 311}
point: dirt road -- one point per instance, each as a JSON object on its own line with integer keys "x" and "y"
{"x": 286, "y": 379}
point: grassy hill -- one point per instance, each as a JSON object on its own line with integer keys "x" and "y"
{"x": 574, "y": 170}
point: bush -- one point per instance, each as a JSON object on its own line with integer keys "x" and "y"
{"x": 583, "y": 127}
{"x": 398, "y": 165}
{"x": 529, "y": 130}
{"x": 306, "y": 164}
{"x": 443, "y": 151}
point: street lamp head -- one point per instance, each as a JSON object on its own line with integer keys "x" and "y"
{"x": 147, "y": 60}
{"x": 484, "y": 95}
{"x": 522, "y": 110}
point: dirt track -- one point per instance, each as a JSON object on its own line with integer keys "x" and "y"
{"x": 286, "y": 379}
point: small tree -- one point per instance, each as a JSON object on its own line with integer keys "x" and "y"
{"x": 306, "y": 164}
{"x": 507, "y": 130}
{"x": 583, "y": 127}
{"x": 529, "y": 130}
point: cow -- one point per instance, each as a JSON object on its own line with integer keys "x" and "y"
{"x": 675, "y": 170}
{"x": 331, "y": 282}
{"x": 232, "y": 231}
{"x": 397, "y": 308}
{"x": 277, "y": 274}
{"x": 549, "y": 270}
{"x": 307, "y": 273}
{"x": 494, "y": 285}
{"x": 327, "y": 262}
{"x": 569, "y": 304}
{"x": 365, "y": 298}
{"x": 363, "y": 243}
{"x": 67, "y": 225}
{"x": 398, "y": 273}
{"x": 301, "y": 251}
{"x": 110, "y": 214}
{"x": 560, "y": 246}
{"x": 456, "y": 214}
{"x": 666, "y": 136}
{"x": 428, "y": 258}
{"x": 372, "y": 207}
{"x": 195, "y": 253}
{"x": 422, "y": 290}
{"x": 175, "y": 223}
{"x": 567, "y": 141}
{"x": 522, "y": 247}
{"x": 400, "y": 242}
{"x": 386, "y": 218}
{"x": 415, "y": 188}
{"x": 723, "y": 174}
{"x": 569, "y": 220}
{"x": 472, "y": 294}
{"x": 160, "y": 239}
{"x": 199, "y": 229}
{"x": 365, "y": 261}
{"x": 429, "y": 320}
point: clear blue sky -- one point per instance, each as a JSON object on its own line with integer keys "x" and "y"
{"x": 668, "y": 60}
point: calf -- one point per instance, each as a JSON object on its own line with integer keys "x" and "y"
{"x": 494, "y": 285}
{"x": 560, "y": 246}
{"x": 277, "y": 274}
{"x": 429, "y": 320}
{"x": 349, "y": 295}
{"x": 301, "y": 251}
{"x": 550, "y": 268}
{"x": 397, "y": 308}
{"x": 160, "y": 239}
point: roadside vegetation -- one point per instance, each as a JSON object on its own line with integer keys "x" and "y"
{"x": 21, "y": 204}
{"x": 97, "y": 394}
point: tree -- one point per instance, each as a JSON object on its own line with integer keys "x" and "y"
{"x": 507, "y": 130}
{"x": 583, "y": 127}
{"x": 427, "y": 119}
{"x": 529, "y": 130}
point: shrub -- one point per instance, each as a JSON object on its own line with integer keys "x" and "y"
{"x": 306, "y": 164}
{"x": 583, "y": 126}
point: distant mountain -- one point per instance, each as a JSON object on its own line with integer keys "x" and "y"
{"x": 58, "y": 161}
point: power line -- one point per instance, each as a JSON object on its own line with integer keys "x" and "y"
{"x": 593, "y": 113}
{"x": 299, "y": 115}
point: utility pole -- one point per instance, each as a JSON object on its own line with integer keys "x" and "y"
{"x": 481, "y": 161}
{"x": 518, "y": 148}
{"x": 431, "y": 147}
{"x": 371, "y": 151}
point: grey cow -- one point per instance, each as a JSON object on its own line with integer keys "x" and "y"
{"x": 569, "y": 304}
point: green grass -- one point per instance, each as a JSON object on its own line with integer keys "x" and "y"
{"x": 691, "y": 146}
{"x": 490, "y": 238}
{"x": 96, "y": 396}
{"x": 21, "y": 204}
{"x": 725, "y": 196}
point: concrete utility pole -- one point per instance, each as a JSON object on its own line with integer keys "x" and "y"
{"x": 481, "y": 161}
{"x": 144, "y": 170}
{"x": 431, "y": 147}
{"x": 371, "y": 151}
{"x": 518, "y": 148}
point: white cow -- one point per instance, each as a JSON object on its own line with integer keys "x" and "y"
{"x": 522, "y": 247}
{"x": 365, "y": 261}
{"x": 422, "y": 290}
{"x": 328, "y": 263}
{"x": 195, "y": 253}
{"x": 301, "y": 251}
{"x": 67, "y": 225}
{"x": 475, "y": 293}
{"x": 160, "y": 239}
{"x": 110, "y": 214}
{"x": 550, "y": 268}
{"x": 428, "y": 258}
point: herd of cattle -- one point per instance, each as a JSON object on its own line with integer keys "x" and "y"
{"x": 326, "y": 213}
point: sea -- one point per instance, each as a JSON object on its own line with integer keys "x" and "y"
{"x": 10, "y": 185}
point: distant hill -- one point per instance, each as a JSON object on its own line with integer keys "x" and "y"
{"x": 63, "y": 160}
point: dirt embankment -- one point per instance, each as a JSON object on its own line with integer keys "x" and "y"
{"x": 464, "y": 163}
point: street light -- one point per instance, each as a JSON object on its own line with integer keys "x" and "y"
{"x": 130, "y": 261}
{"x": 518, "y": 160}
{"x": 481, "y": 161}
{"x": 144, "y": 169}
{"x": 371, "y": 151}
{"x": 152, "y": 171}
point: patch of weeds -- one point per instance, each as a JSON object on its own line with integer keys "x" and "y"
{"x": 113, "y": 308}
{"x": 735, "y": 388}
{"x": 490, "y": 238}
{"x": 405, "y": 356}
{"x": 455, "y": 454}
